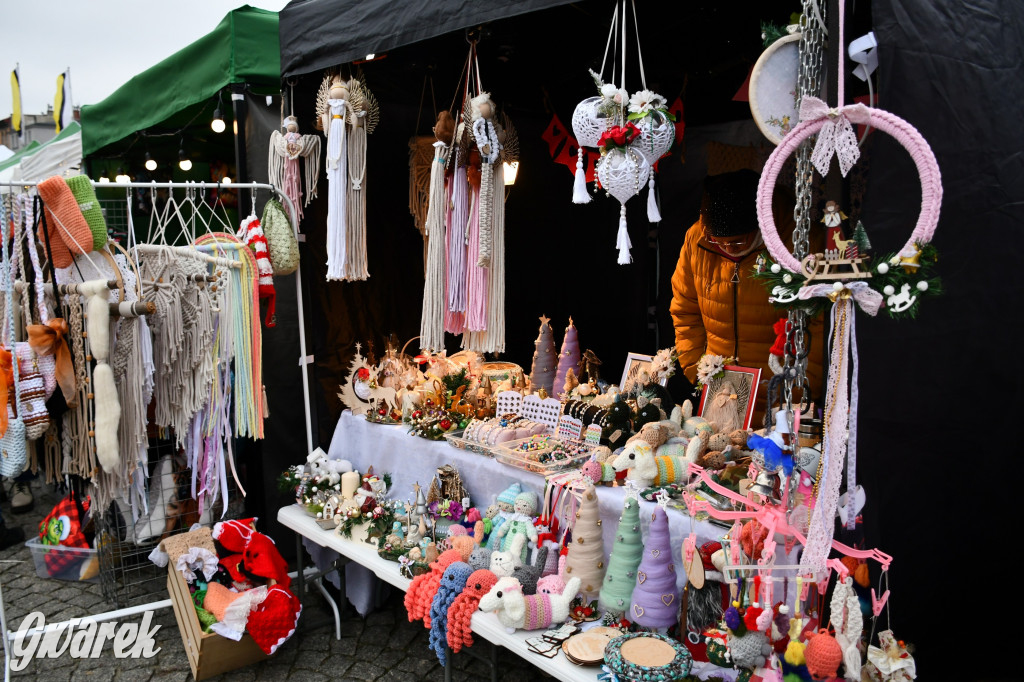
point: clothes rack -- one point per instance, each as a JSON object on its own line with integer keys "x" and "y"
{"x": 304, "y": 360}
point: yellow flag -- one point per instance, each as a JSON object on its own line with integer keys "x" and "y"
{"x": 15, "y": 101}
{"x": 58, "y": 103}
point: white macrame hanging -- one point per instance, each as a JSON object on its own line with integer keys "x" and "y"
{"x": 622, "y": 173}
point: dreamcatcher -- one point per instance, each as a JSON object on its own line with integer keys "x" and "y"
{"x": 348, "y": 112}
{"x": 631, "y": 132}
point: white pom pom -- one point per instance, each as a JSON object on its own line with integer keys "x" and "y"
{"x": 888, "y": 290}
{"x": 776, "y": 268}
{"x": 883, "y": 268}
{"x": 319, "y": 515}
{"x": 838, "y": 286}
{"x": 787, "y": 278}
{"x": 922, "y": 285}
{"x": 783, "y": 608}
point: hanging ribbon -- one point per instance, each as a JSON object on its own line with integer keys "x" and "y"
{"x": 863, "y": 52}
{"x": 6, "y": 383}
{"x": 840, "y": 427}
{"x": 836, "y": 136}
{"x": 49, "y": 339}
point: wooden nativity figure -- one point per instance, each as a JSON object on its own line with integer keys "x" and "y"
{"x": 348, "y": 113}
{"x": 283, "y": 163}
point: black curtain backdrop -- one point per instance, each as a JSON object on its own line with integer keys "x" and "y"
{"x": 952, "y": 70}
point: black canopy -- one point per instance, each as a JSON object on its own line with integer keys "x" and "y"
{"x": 317, "y": 34}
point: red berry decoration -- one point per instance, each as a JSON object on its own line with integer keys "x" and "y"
{"x": 417, "y": 414}
{"x": 446, "y": 424}
{"x": 363, "y": 374}
{"x": 382, "y": 412}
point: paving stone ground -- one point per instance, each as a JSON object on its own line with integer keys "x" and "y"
{"x": 384, "y": 646}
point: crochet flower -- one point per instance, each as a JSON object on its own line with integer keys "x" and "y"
{"x": 445, "y": 509}
{"x": 645, "y": 101}
{"x": 618, "y": 136}
{"x": 613, "y": 94}
{"x": 710, "y": 367}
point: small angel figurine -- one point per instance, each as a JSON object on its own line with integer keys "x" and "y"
{"x": 283, "y": 163}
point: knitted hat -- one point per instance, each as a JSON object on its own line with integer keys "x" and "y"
{"x": 218, "y": 599}
{"x": 69, "y": 232}
{"x": 711, "y": 571}
{"x": 263, "y": 559}
{"x": 508, "y": 496}
{"x": 526, "y": 503}
{"x": 81, "y": 187}
{"x": 273, "y": 621}
{"x": 728, "y": 208}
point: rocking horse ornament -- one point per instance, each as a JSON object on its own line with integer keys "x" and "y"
{"x": 283, "y": 164}
{"x": 348, "y": 112}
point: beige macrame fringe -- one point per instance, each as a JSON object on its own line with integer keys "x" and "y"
{"x": 355, "y": 254}
{"x": 432, "y": 319}
{"x": 492, "y": 339}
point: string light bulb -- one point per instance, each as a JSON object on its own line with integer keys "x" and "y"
{"x": 103, "y": 177}
{"x": 511, "y": 171}
{"x": 184, "y": 163}
{"x": 121, "y": 175}
{"x": 225, "y": 180}
{"x": 217, "y": 124}
{"x": 150, "y": 162}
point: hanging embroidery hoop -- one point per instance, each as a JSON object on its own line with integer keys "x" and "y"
{"x": 772, "y": 81}
{"x": 891, "y": 124}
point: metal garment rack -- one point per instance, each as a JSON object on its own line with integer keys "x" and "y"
{"x": 8, "y": 636}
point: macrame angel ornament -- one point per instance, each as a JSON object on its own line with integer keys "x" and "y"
{"x": 283, "y": 163}
{"x": 348, "y": 113}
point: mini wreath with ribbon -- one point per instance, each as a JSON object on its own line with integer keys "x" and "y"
{"x": 899, "y": 279}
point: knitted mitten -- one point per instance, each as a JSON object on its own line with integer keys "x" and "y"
{"x": 81, "y": 187}
{"x": 69, "y": 232}
{"x": 251, "y": 233}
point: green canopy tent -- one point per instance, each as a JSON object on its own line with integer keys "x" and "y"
{"x": 242, "y": 52}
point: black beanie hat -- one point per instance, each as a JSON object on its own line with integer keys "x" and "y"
{"x": 728, "y": 206}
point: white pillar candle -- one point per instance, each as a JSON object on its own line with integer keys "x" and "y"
{"x": 349, "y": 484}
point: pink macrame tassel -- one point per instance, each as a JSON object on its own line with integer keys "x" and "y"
{"x": 476, "y": 277}
{"x": 580, "y": 195}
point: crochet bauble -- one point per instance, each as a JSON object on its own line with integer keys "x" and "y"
{"x": 823, "y": 655}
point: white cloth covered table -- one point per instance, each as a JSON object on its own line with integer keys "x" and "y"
{"x": 390, "y": 449}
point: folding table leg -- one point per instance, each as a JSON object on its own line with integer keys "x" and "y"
{"x": 298, "y": 565}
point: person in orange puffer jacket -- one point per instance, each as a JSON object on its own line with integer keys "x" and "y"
{"x": 717, "y": 305}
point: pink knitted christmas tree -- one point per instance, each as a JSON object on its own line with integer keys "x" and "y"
{"x": 655, "y": 598}
{"x": 542, "y": 373}
{"x": 568, "y": 357}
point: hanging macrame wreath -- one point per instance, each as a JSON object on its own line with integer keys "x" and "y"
{"x": 903, "y": 278}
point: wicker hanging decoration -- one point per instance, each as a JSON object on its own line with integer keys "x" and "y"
{"x": 622, "y": 171}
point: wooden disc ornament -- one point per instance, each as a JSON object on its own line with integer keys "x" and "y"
{"x": 649, "y": 657}
{"x": 587, "y": 648}
{"x": 773, "y": 82}
{"x": 694, "y": 567}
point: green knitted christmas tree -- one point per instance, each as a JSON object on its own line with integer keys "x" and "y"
{"x": 620, "y": 578}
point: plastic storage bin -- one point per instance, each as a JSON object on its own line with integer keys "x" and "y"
{"x": 64, "y": 563}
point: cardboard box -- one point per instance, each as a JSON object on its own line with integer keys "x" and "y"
{"x": 209, "y": 654}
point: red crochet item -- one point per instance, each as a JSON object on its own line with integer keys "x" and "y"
{"x": 68, "y": 230}
{"x": 460, "y": 613}
{"x": 779, "y": 347}
{"x": 251, "y": 233}
{"x": 251, "y": 550}
{"x": 823, "y": 655}
{"x": 423, "y": 587}
{"x": 752, "y": 539}
{"x": 274, "y": 620}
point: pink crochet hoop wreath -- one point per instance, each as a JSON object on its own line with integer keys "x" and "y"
{"x": 904, "y": 133}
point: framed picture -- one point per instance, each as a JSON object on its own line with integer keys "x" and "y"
{"x": 635, "y": 363}
{"x": 731, "y": 397}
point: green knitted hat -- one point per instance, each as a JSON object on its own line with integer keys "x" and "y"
{"x": 90, "y": 207}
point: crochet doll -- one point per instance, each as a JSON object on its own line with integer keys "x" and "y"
{"x": 453, "y": 581}
{"x": 460, "y": 613}
{"x": 506, "y": 508}
{"x": 423, "y": 587}
{"x": 520, "y": 523}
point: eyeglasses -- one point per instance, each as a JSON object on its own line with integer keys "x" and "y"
{"x": 728, "y": 244}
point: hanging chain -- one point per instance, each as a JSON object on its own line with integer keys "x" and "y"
{"x": 808, "y": 83}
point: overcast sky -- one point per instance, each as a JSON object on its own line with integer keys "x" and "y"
{"x": 105, "y": 42}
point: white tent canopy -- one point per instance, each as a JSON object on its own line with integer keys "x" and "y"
{"x": 60, "y": 156}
